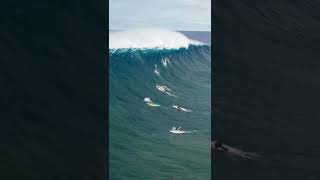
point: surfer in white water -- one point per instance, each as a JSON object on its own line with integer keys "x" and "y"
{"x": 160, "y": 88}
{"x": 179, "y": 131}
{"x": 149, "y": 102}
{"x": 165, "y": 61}
{"x": 156, "y": 70}
{"x": 164, "y": 89}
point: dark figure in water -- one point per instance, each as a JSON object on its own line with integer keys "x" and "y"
{"x": 218, "y": 144}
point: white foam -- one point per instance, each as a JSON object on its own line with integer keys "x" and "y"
{"x": 149, "y": 39}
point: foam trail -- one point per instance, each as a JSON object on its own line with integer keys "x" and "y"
{"x": 149, "y": 39}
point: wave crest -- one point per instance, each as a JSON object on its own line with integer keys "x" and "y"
{"x": 150, "y": 39}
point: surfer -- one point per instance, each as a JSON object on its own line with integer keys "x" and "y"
{"x": 164, "y": 89}
{"x": 179, "y": 108}
{"x": 156, "y": 70}
{"x": 147, "y": 100}
{"x": 150, "y": 103}
{"x": 161, "y": 88}
{"x": 165, "y": 61}
{"x": 178, "y": 130}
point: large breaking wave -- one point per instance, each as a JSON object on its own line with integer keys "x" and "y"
{"x": 149, "y": 38}
{"x": 140, "y": 134}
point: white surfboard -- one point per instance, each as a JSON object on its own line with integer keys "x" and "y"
{"x": 181, "y": 108}
{"x": 175, "y": 131}
{"x": 153, "y": 104}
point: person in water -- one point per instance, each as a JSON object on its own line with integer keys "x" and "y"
{"x": 218, "y": 144}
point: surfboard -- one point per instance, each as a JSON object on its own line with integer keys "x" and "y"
{"x": 153, "y": 104}
{"x": 183, "y": 109}
{"x": 179, "y": 131}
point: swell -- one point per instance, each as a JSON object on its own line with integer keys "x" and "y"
{"x": 140, "y": 134}
{"x": 136, "y": 65}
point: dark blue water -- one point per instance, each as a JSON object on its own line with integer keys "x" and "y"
{"x": 141, "y": 146}
{"x": 52, "y": 90}
{"x": 266, "y": 88}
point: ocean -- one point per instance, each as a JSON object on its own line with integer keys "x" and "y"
{"x": 266, "y": 88}
{"x": 52, "y": 90}
{"x": 140, "y": 144}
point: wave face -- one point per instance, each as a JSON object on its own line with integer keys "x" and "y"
{"x": 141, "y": 146}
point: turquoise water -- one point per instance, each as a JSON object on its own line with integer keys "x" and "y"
{"x": 140, "y": 145}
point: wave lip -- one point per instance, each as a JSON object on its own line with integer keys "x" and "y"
{"x": 150, "y": 39}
